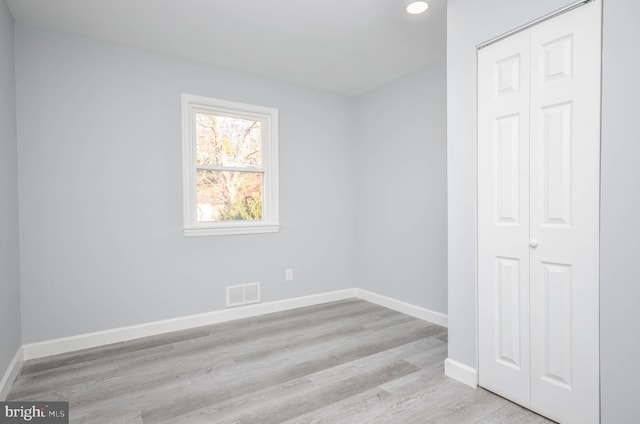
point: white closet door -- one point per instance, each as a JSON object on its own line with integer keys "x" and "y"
{"x": 503, "y": 218}
{"x": 538, "y": 216}
{"x": 565, "y": 175}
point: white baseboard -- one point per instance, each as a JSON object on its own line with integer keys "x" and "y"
{"x": 404, "y": 307}
{"x": 116, "y": 335}
{"x": 122, "y": 334}
{"x": 461, "y": 372}
{"x": 10, "y": 375}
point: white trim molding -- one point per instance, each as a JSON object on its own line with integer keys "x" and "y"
{"x": 122, "y": 334}
{"x": 404, "y": 307}
{"x": 10, "y": 375}
{"x": 461, "y": 372}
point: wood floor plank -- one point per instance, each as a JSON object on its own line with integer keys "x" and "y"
{"x": 284, "y": 365}
{"x": 342, "y": 362}
{"x": 201, "y": 361}
{"x": 358, "y": 407}
{"x": 511, "y": 413}
{"x": 230, "y": 341}
{"x": 311, "y": 391}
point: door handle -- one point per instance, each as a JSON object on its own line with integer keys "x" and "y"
{"x": 533, "y": 244}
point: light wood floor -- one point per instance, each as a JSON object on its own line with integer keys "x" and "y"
{"x": 342, "y": 362}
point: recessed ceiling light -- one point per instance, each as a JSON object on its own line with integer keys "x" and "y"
{"x": 417, "y": 7}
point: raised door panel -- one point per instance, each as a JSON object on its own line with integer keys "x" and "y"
{"x": 508, "y": 313}
{"x": 556, "y": 152}
{"x": 557, "y": 345}
{"x": 503, "y": 218}
{"x": 507, "y": 173}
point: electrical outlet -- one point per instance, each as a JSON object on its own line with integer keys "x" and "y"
{"x": 288, "y": 274}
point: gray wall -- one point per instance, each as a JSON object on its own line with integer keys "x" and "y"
{"x": 10, "y": 336}
{"x": 619, "y": 216}
{"x": 471, "y": 22}
{"x": 101, "y": 194}
{"x": 402, "y": 215}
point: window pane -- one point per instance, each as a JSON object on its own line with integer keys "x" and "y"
{"x": 226, "y": 141}
{"x": 229, "y": 196}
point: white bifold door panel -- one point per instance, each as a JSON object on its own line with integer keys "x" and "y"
{"x": 565, "y": 199}
{"x": 503, "y": 218}
{"x": 538, "y": 216}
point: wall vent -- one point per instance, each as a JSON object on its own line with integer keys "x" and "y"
{"x": 243, "y": 294}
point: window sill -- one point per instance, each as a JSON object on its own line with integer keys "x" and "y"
{"x": 230, "y": 230}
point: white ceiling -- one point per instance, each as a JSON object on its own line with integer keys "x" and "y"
{"x": 344, "y": 46}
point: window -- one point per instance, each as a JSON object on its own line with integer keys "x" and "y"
{"x": 230, "y": 154}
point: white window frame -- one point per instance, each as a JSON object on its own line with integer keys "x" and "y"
{"x": 269, "y": 118}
